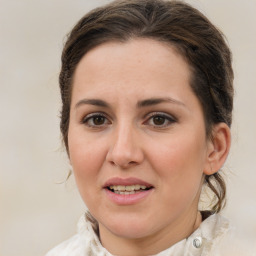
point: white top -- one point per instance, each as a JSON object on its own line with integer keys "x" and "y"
{"x": 214, "y": 237}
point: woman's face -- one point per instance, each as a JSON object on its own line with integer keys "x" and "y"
{"x": 137, "y": 138}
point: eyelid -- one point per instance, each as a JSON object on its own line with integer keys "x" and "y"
{"x": 170, "y": 118}
{"x": 87, "y": 117}
{"x": 90, "y": 115}
{"x": 162, "y": 114}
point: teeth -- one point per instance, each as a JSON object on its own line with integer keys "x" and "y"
{"x": 120, "y": 188}
{"x": 137, "y": 187}
{"x": 132, "y": 188}
{"x": 124, "y": 192}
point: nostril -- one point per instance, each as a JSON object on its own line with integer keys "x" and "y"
{"x": 123, "y": 165}
{"x": 132, "y": 163}
{"x": 112, "y": 163}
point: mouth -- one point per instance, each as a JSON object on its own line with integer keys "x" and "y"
{"x": 128, "y": 190}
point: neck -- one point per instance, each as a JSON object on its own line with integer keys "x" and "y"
{"x": 154, "y": 243}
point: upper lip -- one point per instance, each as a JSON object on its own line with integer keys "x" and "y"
{"x": 126, "y": 182}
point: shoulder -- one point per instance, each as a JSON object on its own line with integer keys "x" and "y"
{"x": 77, "y": 245}
{"x": 229, "y": 241}
{"x": 70, "y": 247}
{"x": 84, "y": 243}
{"x": 233, "y": 244}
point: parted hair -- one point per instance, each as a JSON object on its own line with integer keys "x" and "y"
{"x": 202, "y": 45}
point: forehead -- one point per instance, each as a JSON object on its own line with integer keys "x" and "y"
{"x": 140, "y": 65}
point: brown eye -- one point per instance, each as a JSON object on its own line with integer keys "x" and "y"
{"x": 98, "y": 120}
{"x": 159, "y": 120}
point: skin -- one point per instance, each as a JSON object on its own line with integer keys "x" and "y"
{"x": 164, "y": 143}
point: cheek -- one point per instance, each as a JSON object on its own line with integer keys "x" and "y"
{"x": 179, "y": 163}
{"x": 86, "y": 158}
{"x": 178, "y": 154}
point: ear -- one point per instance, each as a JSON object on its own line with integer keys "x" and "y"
{"x": 218, "y": 148}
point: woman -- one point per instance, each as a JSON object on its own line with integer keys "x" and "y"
{"x": 147, "y": 93}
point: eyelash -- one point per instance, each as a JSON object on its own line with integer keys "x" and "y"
{"x": 91, "y": 117}
{"x": 168, "y": 120}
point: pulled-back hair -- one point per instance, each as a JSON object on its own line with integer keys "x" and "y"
{"x": 174, "y": 22}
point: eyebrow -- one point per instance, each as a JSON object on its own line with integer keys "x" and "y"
{"x": 155, "y": 101}
{"x": 95, "y": 102}
{"x": 140, "y": 104}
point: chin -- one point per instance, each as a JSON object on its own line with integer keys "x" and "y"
{"x": 129, "y": 227}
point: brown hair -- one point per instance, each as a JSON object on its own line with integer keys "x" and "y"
{"x": 174, "y": 22}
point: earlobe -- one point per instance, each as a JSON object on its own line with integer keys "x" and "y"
{"x": 218, "y": 149}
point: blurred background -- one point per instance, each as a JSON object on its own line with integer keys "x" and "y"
{"x": 38, "y": 209}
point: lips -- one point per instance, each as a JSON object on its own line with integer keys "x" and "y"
{"x": 127, "y": 191}
{"x": 126, "y": 182}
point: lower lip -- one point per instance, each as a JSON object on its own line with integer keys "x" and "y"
{"x": 128, "y": 199}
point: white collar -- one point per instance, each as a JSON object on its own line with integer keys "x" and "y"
{"x": 197, "y": 244}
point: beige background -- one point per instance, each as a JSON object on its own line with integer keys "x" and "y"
{"x": 36, "y": 213}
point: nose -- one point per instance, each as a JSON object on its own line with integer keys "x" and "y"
{"x": 125, "y": 150}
